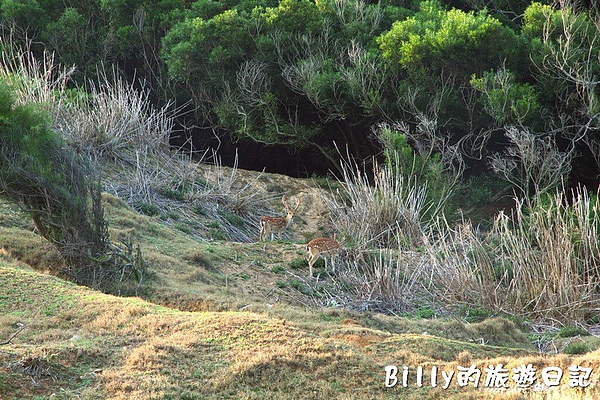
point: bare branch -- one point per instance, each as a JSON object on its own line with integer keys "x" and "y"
{"x": 532, "y": 162}
{"x": 20, "y": 326}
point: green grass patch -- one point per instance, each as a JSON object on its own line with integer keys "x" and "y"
{"x": 278, "y": 269}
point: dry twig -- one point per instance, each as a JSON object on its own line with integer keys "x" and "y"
{"x": 20, "y": 327}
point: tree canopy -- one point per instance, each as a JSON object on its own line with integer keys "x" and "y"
{"x": 304, "y": 74}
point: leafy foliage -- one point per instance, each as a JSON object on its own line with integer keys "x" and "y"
{"x": 62, "y": 194}
{"x": 452, "y": 41}
{"x": 304, "y": 74}
{"x": 424, "y": 168}
{"x": 506, "y": 101}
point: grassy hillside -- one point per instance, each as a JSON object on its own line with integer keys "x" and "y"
{"x": 222, "y": 319}
{"x": 80, "y": 343}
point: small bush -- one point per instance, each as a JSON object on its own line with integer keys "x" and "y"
{"x": 298, "y": 263}
{"x": 425, "y": 313}
{"x": 216, "y": 232}
{"x": 476, "y": 314}
{"x": 177, "y": 194}
{"x": 577, "y": 348}
{"x": 146, "y": 208}
{"x": 232, "y": 218}
{"x": 183, "y": 228}
{"x": 200, "y": 259}
{"x": 199, "y": 209}
{"x": 571, "y": 330}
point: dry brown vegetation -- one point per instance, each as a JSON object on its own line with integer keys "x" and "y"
{"x": 91, "y": 345}
{"x": 220, "y": 315}
{"x": 251, "y": 329}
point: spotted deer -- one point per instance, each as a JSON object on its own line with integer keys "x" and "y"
{"x": 324, "y": 247}
{"x": 277, "y": 224}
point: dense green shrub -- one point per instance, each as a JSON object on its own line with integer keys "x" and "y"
{"x": 61, "y": 192}
{"x": 452, "y": 42}
{"x": 423, "y": 168}
{"x": 304, "y": 74}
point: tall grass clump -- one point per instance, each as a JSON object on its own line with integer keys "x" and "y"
{"x": 423, "y": 156}
{"x": 542, "y": 262}
{"x": 225, "y": 195}
{"x": 34, "y": 81}
{"x": 384, "y": 280}
{"x": 387, "y": 213}
{"x": 116, "y": 126}
{"x": 384, "y": 216}
{"x": 109, "y": 118}
{"x": 113, "y": 119}
{"x": 400, "y": 198}
{"x": 378, "y": 208}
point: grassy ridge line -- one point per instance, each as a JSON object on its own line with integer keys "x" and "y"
{"x": 146, "y": 351}
{"x": 140, "y": 350}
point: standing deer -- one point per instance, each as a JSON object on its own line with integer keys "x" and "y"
{"x": 277, "y": 224}
{"x": 322, "y": 247}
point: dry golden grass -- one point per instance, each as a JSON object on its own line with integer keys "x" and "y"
{"x": 540, "y": 262}
{"x": 236, "y": 320}
{"x": 100, "y": 346}
{"x": 236, "y": 325}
